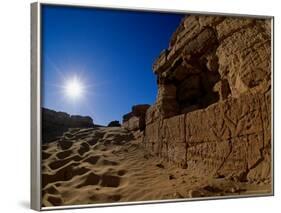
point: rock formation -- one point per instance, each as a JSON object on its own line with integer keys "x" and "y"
{"x": 135, "y": 120}
{"x": 114, "y": 124}
{"x": 54, "y": 123}
{"x": 213, "y": 107}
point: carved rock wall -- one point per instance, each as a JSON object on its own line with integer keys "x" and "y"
{"x": 213, "y": 109}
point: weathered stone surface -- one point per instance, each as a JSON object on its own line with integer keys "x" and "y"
{"x": 266, "y": 118}
{"x": 166, "y": 100}
{"x": 225, "y": 138}
{"x": 207, "y": 157}
{"x": 166, "y": 138}
{"x": 201, "y": 43}
{"x": 262, "y": 170}
{"x": 152, "y": 137}
{"x": 152, "y": 114}
{"x": 237, "y": 124}
{"x": 127, "y": 116}
{"x": 222, "y": 87}
{"x": 135, "y": 120}
{"x": 231, "y": 25}
{"x": 213, "y": 109}
{"x": 245, "y": 60}
{"x": 161, "y": 62}
{"x": 173, "y": 129}
{"x": 132, "y": 123}
{"x": 225, "y": 120}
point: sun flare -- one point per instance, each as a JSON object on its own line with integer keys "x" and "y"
{"x": 73, "y": 88}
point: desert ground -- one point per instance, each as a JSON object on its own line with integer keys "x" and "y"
{"x": 109, "y": 164}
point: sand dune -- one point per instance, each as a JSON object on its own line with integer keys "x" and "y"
{"x": 106, "y": 164}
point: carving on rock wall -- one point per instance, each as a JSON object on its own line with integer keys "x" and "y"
{"x": 213, "y": 108}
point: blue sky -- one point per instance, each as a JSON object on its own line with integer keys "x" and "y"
{"x": 111, "y": 52}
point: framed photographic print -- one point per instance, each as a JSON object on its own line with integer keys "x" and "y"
{"x": 134, "y": 105}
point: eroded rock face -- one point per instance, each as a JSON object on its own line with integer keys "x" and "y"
{"x": 213, "y": 108}
{"x": 135, "y": 120}
{"x": 54, "y": 123}
{"x": 211, "y": 58}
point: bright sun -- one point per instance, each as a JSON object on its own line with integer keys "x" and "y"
{"x": 73, "y": 88}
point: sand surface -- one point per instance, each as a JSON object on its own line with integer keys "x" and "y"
{"x": 107, "y": 164}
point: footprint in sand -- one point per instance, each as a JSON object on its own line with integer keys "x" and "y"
{"x": 68, "y": 135}
{"x": 64, "y": 144}
{"x": 103, "y": 180}
{"x": 75, "y": 164}
{"x": 55, "y": 200}
{"x": 121, "y": 172}
{"x": 105, "y": 198}
{"x": 65, "y": 173}
{"x": 59, "y": 163}
{"x": 91, "y": 179}
{"x": 52, "y": 189}
{"x": 92, "y": 159}
{"x": 110, "y": 181}
{"x": 84, "y": 147}
{"x": 64, "y": 154}
{"x": 109, "y": 163}
{"x": 114, "y": 198}
{"x": 45, "y": 155}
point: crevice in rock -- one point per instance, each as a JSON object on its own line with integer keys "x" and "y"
{"x": 263, "y": 139}
{"x": 225, "y": 159}
{"x": 185, "y": 141}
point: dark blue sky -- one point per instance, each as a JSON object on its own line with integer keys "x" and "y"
{"x": 110, "y": 51}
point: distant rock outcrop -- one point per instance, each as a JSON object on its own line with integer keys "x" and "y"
{"x": 114, "y": 124}
{"x": 213, "y": 107}
{"x": 54, "y": 124}
{"x": 135, "y": 120}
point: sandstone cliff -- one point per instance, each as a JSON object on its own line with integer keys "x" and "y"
{"x": 213, "y": 109}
